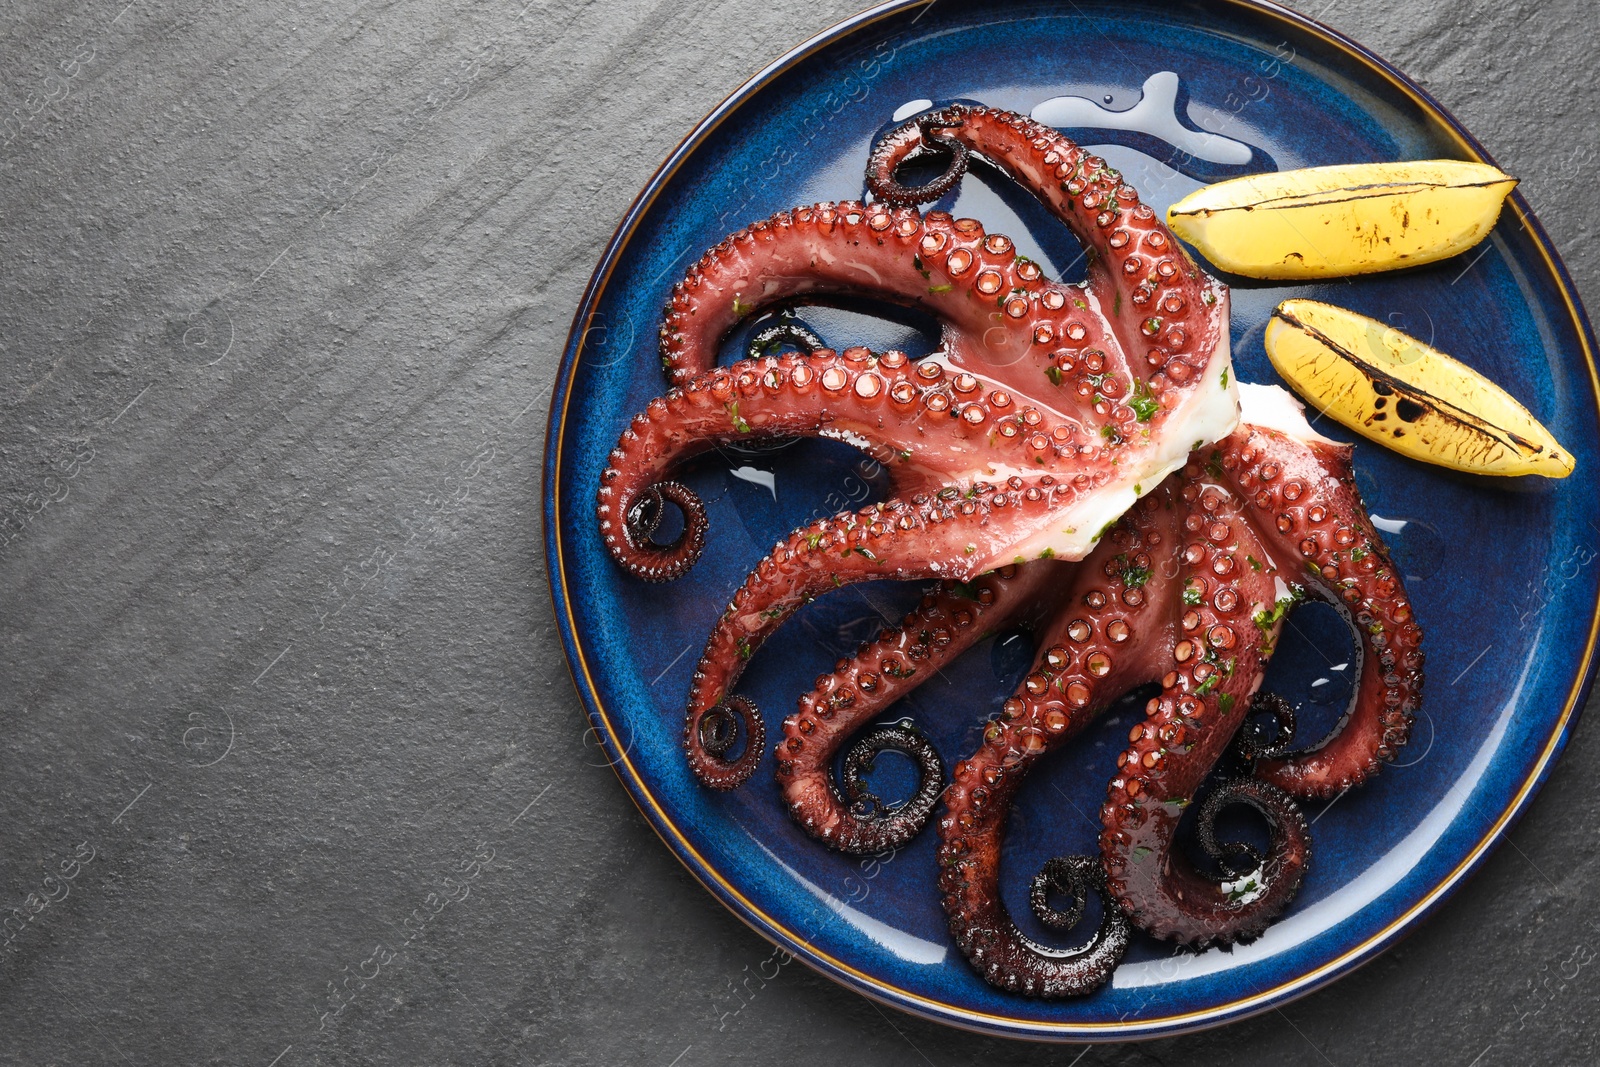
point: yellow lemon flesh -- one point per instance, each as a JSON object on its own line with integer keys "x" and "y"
{"x": 1326, "y": 222}
{"x": 1395, "y": 390}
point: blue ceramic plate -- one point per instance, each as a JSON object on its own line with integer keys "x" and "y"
{"x": 1497, "y": 568}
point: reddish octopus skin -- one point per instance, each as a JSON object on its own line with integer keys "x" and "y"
{"x": 924, "y": 537}
{"x": 1259, "y": 464}
{"x": 915, "y": 417}
{"x": 1068, "y": 380}
{"x": 1232, "y": 506}
{"x": 1167, "y": 326}
{"x": 1071, "y": 682}
{"x": 1306, "y": 497}
{"x": 945, "y": 624}
{"x": 1240, "y": 482}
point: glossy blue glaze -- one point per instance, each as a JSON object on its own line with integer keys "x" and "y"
{"x": 1498, "y": 569}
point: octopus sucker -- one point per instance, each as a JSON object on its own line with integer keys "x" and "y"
{"x": 1075, "y": 460}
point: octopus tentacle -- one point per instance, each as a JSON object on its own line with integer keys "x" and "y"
{"x": 1248, "y": 743}
{"x": 717, "y": 732}
{"x": 943, "y": 626}
{"x": 948, "y": 534}
{"x": 900, "y": 737}
{"x": 1311, "y": 511}
{"x": 1284, "y": 821}
{"x": 1214, "y": 672}
{"x": 1092, "y": 654}
{"x": 947, "y": 266}
{"x": 1135, "y": 250}
{"x": 634, "y": 528}
{"x": 912, "y": 141}
{"x": 924, "y": 423}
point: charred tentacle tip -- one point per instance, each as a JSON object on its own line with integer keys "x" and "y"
{"x": 913, "y": 140}
{"x": 1290, "y": 838}
{"x": 1073, "y": 877}
{"x": 1250, "y": 745}
{"x": 904, "y": 820}
{"x": 663, "y": 563}
{"x": 780, "y": 335}
{"x": 713, "y": 734}
{"x": 1088, "y": 967}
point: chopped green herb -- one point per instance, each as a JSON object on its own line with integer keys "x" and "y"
{"x": 1079, "y": 304}
{"x": 965, "y": 590}
{"x": 1143, "y": 404}
{"x": 1255, "y": 564}
{"x": 741, "y": 310}
{"x": 1214, "y": 465}
{"x": 738, "y": 423}
{"x": 1191, "y": 592}
{"x": 1224, "y": 377}
{"x": 905, "y": 453}
{"x": 1140, "y": 853}
{"x": 916, "y": 261}
{"x": 1133, "y": 575}
{"x": 1104, "y": 530}
{"x": 1048, "y": 553}
{"x": 1208, "y": 685}
{"x": 1055, "y": 375}
{"x": 970, "y": 549}
{"x": 813, "y": 540}
{"x": 1225, "y": 702}
{"x": 937, "y": 289}
{"x": 1266, "y": 620}
{"x": 1357, "y": 554}
{"x": 744, "y": 648}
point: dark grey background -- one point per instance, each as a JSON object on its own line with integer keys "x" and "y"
{"x": 283, "y": 287}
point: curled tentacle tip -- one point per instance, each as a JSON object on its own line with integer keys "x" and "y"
{"x": 914, "y": 140}
{"x": 875, "y": 826}
{"x": 712, "y": 734}
{"x": 1073, "y": 877}
{"x": 1273, "y": 879}
{"x": 1249, "y": 745}
{"x": 655, "y": 562}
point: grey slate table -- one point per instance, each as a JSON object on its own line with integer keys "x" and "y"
{"x": 282, "y": 291}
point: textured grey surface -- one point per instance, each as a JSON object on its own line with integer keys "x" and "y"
{"x": 282, "y": 291}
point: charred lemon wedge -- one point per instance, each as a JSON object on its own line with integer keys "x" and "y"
{"x": 1327, "y": 222}
{"x": 1393, "y": 389}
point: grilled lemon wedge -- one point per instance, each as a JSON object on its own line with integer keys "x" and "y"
{"x": 1397, "y": 391}
{"x": 1326, "y": 222}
